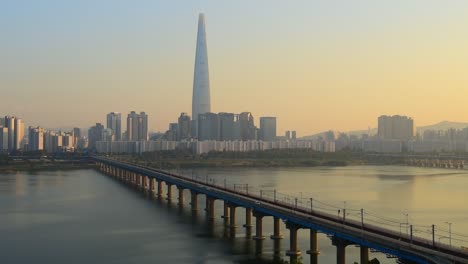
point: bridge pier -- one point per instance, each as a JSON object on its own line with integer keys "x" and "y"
{"x": 232, "y": 216}
{"x": 313, "y": 251}
{"x": 225, "y": 215}
{"x": 160, "y": 189}
{"x": 194, "y": 200}
{"x": 364, "y": 255}
{"x": 276, "y": 229}
{"x": 248, "y": 218}
{"x": 340, "y": 245}
{"x": 135, "y": 180}
{"x": 181, "y": 196}
{"x": 210, "y": 209}
{"x": 169, "y": 191}
{"x": 258, "y": 226}
{"x": 152, "y": 183}
{"x": 293, "y": 251}
{"x": 143, "y": 182}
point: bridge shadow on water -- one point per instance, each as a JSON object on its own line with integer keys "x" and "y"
{"x": 235, "y": 242}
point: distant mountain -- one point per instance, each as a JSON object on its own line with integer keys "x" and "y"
{"x": 444, "y": 125}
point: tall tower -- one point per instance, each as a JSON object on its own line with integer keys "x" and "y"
{"x": 201, "y": 79}
{"x": 114, "y": 122}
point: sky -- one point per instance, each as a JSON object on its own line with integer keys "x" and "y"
{"x": 315, "y": 65}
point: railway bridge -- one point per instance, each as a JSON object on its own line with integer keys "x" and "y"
{"x": 343, "y": 232}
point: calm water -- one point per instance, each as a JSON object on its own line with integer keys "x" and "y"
{"x": 84, "y": 217}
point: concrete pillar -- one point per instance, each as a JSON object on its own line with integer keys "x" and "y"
{"x": 364, "y": 255}
{"x": 340, "y": 254}
{"x": 232, "y": 216}
{"x": 169, "y": 191}
{"x": 248, "y": 218}
{"x": 293, "y": 251}
{"x": 210, "y": 212}
{"x": 340, "y": 245}
{"x": 181, "y": 196}
{"x": 194, "y": 200}
{"x": 152, "y": 185}
{"x": 313, "y": 251}
{"x": 258, "y": 227}
{"x": 276, "y": 229}
{"x": 226, "y": 212}
{"x": 160, "y": 189}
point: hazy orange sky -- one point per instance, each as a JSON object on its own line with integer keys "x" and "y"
{"x": 316, "y": 65}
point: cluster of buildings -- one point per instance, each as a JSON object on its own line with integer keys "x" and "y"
{"x": 396, "y": 134}
{"x": 205, "y": 146}
{"x": 40, "y": 139}
{"x": 210, "y": 132}
{"x": 13, "y": 138}
{"x": 137, "y": 129}
{"x": 11, "y": 134}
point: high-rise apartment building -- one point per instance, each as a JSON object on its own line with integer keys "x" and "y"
{"x": 3, "y": 139}
{"x": 248, "y": 131}
{"x": 19, "y": 133}
{"x": 137, "y": 126}
{"x": 184, "y": 130}
{"x": 10, "y": 124}
{"x": 267, "y": 128}
{"x": 35, "y": 138}
{"x": 114, "y": 121}
{"x": 143, "y": 129}
{"x": 228, "y": 127}
{"x": 395, "y": 127}
{"x": 201, "y": 81}
{"x": 287, "y": 134}
{"x": 15, "y": 132}
{"x": 208, "y": 126}
{"x": 94, "y": 135}
{"x": 293, "y": 135}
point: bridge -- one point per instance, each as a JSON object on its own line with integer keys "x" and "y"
{"x": 343, "y": 232}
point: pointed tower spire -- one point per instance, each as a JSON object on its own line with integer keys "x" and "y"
{"x": 201, "y": 79}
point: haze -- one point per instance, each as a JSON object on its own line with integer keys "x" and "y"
{"x": 316, "y": 65}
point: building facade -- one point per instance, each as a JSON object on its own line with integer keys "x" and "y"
{"x": 114, "y": 122}
{"x": 267, "y": 128}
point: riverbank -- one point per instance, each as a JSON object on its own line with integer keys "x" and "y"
{"x": 258, "y": 159}
{"x": 16, "y": 166}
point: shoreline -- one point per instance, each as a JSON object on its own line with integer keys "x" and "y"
{"x": 14, "y": 168}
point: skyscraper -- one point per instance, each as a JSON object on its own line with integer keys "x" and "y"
{"x": 19, "y": 133}
{"x": 184, "y": 129}
{"x": 10, "y": 123}
{"x": 143, "y": 129}
{"x": 201, "y": 79}
{"x": 3, "y": 139}
{"x": 247, "y": 127}
{"x": 114, "y": 123}
{"x": 94, "y": 135}
{"x": 267, "y": 128}
{"x": 208, "y": 126}
{"x": 36, "y": 138}
{"x": 395, "y": 127}
{"x": 228, "y": 127}
{"x": 137, "y": 126}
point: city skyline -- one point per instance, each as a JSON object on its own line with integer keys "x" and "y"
{"x": 291, "y": 68}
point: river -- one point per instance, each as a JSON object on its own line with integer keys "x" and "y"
{"x": 82, "y": 216}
